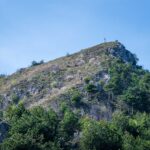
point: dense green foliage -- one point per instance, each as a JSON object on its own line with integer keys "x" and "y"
{"x": 99, "y": 135}
{"x": 129, "y": 84}
{"x": 38, "y": 129}
{"x": 44, "y": 129}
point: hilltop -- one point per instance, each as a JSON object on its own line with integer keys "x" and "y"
{"x": 48, "y": 83}
{"x": 97, "y": 98}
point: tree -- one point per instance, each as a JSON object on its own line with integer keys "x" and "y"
{"x": 137, "y": 99}
{"x": 67, "y": 127}
{"x": 99, "y": 136}
{"x": 135, "y": 130}
{"x": 131, "y": 143}
{"x": 30, "y": 129}
{"x": 145, "y": 82}
{"x": 14, "y": 112}
{"x": 120, "y": 77}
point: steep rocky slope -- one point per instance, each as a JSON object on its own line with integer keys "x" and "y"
{"x": 51, "y": 84}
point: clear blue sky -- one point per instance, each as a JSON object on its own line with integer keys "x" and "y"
{"x": 47, "y": 29}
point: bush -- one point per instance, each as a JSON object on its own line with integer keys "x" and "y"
{"x": 54, "y": 84}
{"x": 76, "y": 99}
{"x": 87, "y": 80}
{"x": 35, "y": 63}
{"x": 91, "y": 88}
{"x": 75, "y": 96}
{"x": 15, "y": 98}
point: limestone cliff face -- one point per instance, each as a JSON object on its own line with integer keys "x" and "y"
{"x": 48, "y": 84}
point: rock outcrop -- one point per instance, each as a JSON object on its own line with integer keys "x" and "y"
{"x": 3, "y": 130}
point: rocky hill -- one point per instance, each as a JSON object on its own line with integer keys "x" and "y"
{"x": 95, "y": 99}
{"x": 49, "y": 84}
